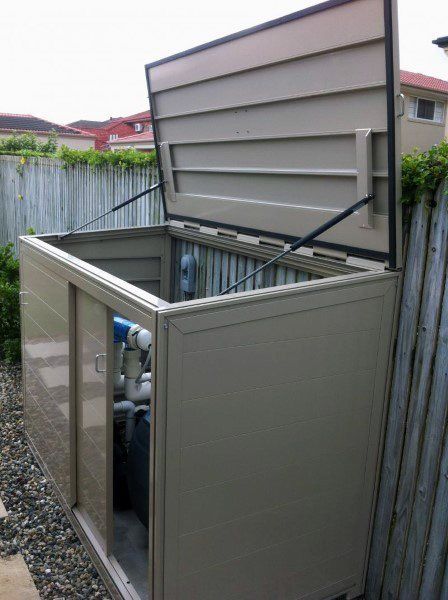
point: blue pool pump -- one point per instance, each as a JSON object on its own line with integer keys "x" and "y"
{"x": 133, "y": 335}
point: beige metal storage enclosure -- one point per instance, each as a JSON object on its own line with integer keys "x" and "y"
{"x": 266, "y": 404}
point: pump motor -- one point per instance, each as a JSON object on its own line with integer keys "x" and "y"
{"x": 132, "y": 334}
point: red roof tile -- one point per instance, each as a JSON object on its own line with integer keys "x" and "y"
{"x": 147, "y": 136}
{"x": 143, "y": 116}
{"x": 423, "y": 81}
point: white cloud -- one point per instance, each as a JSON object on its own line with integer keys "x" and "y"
{"x": 70, "y": 60}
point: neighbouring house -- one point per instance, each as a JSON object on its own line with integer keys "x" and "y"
{"x": 115, "y": 128}
{"x": 69, "y": 136}
{"x": 144, "y": 142}
{"x": 424, "y": 121}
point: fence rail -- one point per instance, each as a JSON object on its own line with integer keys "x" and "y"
{"x": 44, "y": 195}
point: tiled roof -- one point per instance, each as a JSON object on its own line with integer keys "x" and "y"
{"x": 85, "y": 124}
{"x": 141, "y": 116}
{"x": 147, "y": 136}
{"x": 14, "y": 122}
{"x": 423, "y": 81}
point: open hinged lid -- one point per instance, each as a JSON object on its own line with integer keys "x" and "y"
{"x": 275, "y": 129}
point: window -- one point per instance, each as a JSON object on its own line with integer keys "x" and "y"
{"x": 426, "y": 109}
{"x": 138, "y": 127}
{"x": 113, "y": 136}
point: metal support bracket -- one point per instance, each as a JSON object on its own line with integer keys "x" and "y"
{"x": 170, "y": 191}
{"x": 364, "y": 181}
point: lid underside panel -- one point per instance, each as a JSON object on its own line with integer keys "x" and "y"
{"x": 281, "y": 128}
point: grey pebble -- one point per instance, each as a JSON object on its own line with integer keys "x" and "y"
{"x": 37, "y": 526}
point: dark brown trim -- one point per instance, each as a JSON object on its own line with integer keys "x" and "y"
{"x": 391, "y": 151}
{"x": 362, "y": 252}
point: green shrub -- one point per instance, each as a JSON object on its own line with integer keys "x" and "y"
{"x": 423, "y": 171}
{"x": 28, "y": 142}
{"x": 9, "y": 305}
{"x": 27, "y": 145}
{"x": 96, "y": 159}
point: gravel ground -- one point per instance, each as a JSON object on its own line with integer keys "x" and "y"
{"x": 37, "y": 526}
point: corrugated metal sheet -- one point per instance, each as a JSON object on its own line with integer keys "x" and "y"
{"x": 217, "y": 269}
{"x": 50, "y": 197}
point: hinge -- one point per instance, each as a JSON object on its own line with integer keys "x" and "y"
{"x": 192, "y": 225}
{"x": 209, "y": 230}
{"x": 251, "y": 239}
{"x": 330, "y": 253}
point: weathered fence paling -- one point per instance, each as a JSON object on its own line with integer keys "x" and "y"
{"x": 410, "y": 537}
{"x": 52, "y": 197}
{"x": 421, "y": 386}
{"x": 407, "y": 331}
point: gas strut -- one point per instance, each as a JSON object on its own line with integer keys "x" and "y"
{"x": 305, "y": 239}
{"x": 111, "y": 210}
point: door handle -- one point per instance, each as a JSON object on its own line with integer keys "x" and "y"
{"x": 97, "y": 361}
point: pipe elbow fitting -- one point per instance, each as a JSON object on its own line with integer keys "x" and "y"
{"x": 136, "y": 392}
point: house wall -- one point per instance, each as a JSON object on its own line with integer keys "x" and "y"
{"x": 116, "y": 127}
{"x": 76, "y": 143}
{"x": 417, "y": 133}
{"x": 103, "y": 133}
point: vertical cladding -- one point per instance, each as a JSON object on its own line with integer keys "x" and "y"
{"x": 217, "y": 269}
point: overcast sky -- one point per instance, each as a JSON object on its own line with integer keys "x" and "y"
{"x": 70, "y": 59}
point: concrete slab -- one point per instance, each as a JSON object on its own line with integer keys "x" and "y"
{"x": 15, "y": 580}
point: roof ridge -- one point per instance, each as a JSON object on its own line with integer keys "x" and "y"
{"x": 58, "y": 125}
{"x": 6, "y": 114}
{"x": 422, "y": 81}
{"x": 423, "y": 75}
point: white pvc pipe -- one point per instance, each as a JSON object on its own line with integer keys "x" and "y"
{"x": 128, "y": 408}
{"x": 136, "y": 392}
{"x": 118, "y": 363}
{"x": 119, "y": 386}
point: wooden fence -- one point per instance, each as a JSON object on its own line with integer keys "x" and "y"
{"x": 44, "y": 195}
{"x": 408, "y": 557}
